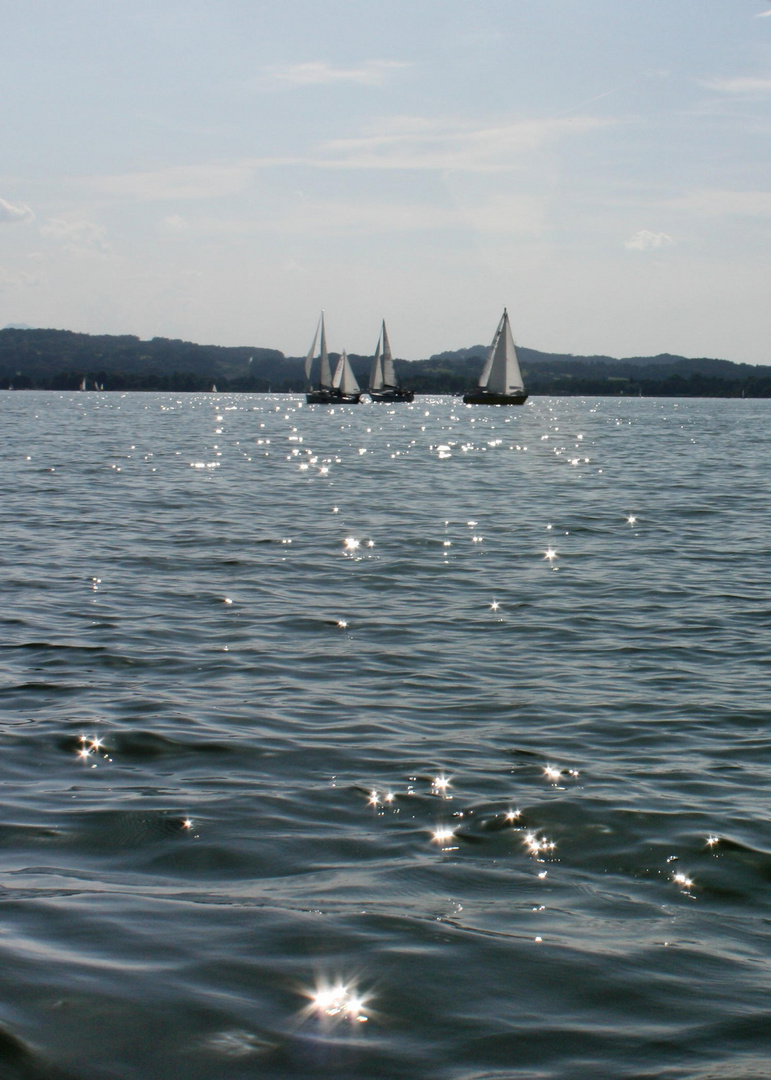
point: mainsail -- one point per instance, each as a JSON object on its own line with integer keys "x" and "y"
{"x": 376, "y": 371}
{"x": 325, "y": 374}
{"x": 382, "y": 375}
{"x": 389, "y": 378}
{"x": 501, "y": 374}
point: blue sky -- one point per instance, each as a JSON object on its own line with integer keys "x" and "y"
{"x": 220, "y": 170}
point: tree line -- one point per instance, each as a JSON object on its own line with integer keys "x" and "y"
{"x": 62, "y": 360}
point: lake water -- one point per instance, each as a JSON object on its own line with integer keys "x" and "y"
{"x": 423, "y": 741}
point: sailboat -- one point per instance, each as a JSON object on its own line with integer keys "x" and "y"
{"x": 344, "y": 382}
{"x": 501, "y": 380}
{"x": 344, "y": 391}
{"x": 382, "y": 377}
{"x": 323, "y": 393}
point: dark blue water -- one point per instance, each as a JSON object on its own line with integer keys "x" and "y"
{"x": 415, "y": 741}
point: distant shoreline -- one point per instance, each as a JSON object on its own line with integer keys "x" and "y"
{"x": 60, "y": 360}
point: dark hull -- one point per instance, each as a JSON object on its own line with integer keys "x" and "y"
{"x": 331, "y": 397}
{"x": 484, "y": 397}
{"x": 395, "y": 393}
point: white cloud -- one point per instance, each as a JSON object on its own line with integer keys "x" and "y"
{"x": 715, "y": 202}
{"x": 320, "y": 73}
{"x": 645, "y": 240}
{"x": 175, "y": 225}
{"x": 10, "y": 214}
{"x": 179, "y": 182}
{"x": 504, "y": 215}
{"x": 77, "y": 237}
{"x": 418, "y": 143}
{"x": 19, "y": 277}
{"x": 741, "y": 85}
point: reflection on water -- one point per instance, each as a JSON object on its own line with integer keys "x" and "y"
{"x": 312, "y": 765}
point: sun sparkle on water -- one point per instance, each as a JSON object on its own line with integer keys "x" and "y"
{"x": 339, "y": 1002}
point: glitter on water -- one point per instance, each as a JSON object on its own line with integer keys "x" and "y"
{"x": 539, "y": 840}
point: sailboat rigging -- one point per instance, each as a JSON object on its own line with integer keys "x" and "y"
{"x": 344, "y": 381}
{"x": 383, "y": 386}
{"x": 501, "y": 380}
{"x": 326, "y": 392}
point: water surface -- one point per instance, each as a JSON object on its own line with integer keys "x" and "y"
{"x": 414, "y": 741}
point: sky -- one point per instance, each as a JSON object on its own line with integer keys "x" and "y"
{"x": 221, "y": 170}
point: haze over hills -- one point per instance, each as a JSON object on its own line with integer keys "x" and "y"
{"x": 61, "y": 359}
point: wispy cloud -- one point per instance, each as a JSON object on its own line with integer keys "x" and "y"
{"x": 399, "y": 143}
{"x": 178, "y": 182}
{"x": 715, "y": 202}
{"x": 321, "y": 73}
{"x": 77, "y": 237}
{"x": 417, "y": 143}
{"x": 508, "y": 214}
{"x": 645, "y": 240}
{"x": 11, "y": 214}
{"x": 9, "y": 278}
{"x": 743, "y": 86}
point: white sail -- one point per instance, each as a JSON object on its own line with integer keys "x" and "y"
{"x": 325, "y": 378}
{"x": 337, "y": 378}
{"x": 311, "y": 351}
{"x": 501, "y": 373}
{"x": 376, "y": 371}
{"x": 389, "y": 378}
{"x": 345, "y": 380}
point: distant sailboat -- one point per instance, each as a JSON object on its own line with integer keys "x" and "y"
{"x": 325, "y": 392}
{"x": 382, "y": 377}
{"x": 344, "y": 381}
{"x": 501, "y": 380}
{"x": 213, "y": 388}
{"x": 83, "y": 384}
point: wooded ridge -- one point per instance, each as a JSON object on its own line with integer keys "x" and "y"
{"x": 61, "y": 359}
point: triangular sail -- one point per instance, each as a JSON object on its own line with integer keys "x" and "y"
{"x": 389, "y": 378}
{"x": 311, "y": 351}
{"x": 376, "y": 371}
{"x": 501, "y": 373}
{"x": 325, "y": 377}
{"x": 338, "y": 375}
{"x": 347, "y": 383}
{"x": 483, "y": 378}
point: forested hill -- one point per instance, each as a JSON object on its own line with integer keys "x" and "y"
{"x": 60, "y": 360}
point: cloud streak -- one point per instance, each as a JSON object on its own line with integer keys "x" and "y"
{"x": 645, "y": 240}
{"x": 11, "y": 278}
{"x": 715, "y": 202}
{"x": 77, "y": 237}
{"x": 11, "y": 214}
{"x": 416, "y": 143}
{"x": 742, "y": 86}
{"x": 504, "y": 215}
{"x": 179, "y": 182}
{"x": 395, "y": 144}
{"x": 321, "y": 73}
